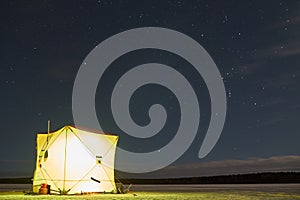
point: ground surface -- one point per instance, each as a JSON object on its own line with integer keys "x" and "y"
{"x": 240, "y": 195}
{"x": 176, "y": 192}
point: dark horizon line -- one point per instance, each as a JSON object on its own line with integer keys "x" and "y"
{"x": 249, "y": 178}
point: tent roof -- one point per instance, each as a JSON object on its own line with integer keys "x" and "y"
{"x": 91, "y": 130}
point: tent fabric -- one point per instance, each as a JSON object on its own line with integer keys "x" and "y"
{"x": 75, "y": 161}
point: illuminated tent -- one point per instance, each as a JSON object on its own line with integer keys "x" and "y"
{"x": 74, "y": 161}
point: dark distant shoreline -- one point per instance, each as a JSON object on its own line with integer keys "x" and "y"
{"x": 25, "y": 180}
{"x": 253, "y": 178}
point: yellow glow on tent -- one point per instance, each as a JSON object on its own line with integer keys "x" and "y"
{"x": 75, "y": 161}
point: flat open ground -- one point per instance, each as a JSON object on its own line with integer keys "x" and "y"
{"x": 181, "y": 192}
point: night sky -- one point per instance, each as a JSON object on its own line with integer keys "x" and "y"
{"x": 255, "y": 44}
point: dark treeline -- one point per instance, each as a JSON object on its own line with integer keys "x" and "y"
{"x": 276, "y": 177}
{"x": 15, "y": 180}
{"x": 280, "y": 177}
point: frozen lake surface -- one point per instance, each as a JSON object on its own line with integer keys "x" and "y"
{"x": 286, "y": 188}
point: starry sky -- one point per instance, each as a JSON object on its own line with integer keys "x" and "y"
{"x": 255, "y": 44}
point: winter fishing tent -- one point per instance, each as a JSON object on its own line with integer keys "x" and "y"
{"x": 73, "y": 161}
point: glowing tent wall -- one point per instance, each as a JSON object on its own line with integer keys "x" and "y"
{"x": 75, "y": 161}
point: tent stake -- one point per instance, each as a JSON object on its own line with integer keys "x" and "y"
{"x": 48, "y": 131}
{"x": 48, "y": 126}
